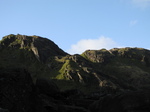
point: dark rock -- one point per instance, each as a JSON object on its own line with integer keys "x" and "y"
{"x": 49, "y": 103}
{"x": 17, "y": 92}
{"x": 66, "y": 108}
{"x": 4, "y": 110}
{"x": 47, "y": 87}
{"x": 72, "y": 94}
{"x": 125, "y": 102}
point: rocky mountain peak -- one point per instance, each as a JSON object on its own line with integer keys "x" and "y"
{"x": 43, "y": 48}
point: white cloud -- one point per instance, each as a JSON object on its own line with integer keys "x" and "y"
{"x": 141, "y": 3}
{"x": 134, "y": 22}
{"x": 92, "y": 44}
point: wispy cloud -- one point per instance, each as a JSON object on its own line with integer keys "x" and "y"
{"x": 92, "y": 44}
{"x": 133, "y": 22}
{"x": 141, "y": 3}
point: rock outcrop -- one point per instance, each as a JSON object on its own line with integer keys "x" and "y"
{"x": 41, "y": 47}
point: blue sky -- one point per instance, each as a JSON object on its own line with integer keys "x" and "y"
{"x": 77, "y": 25}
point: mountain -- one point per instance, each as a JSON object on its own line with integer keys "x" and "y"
{"x": 41, "y": 47}
{"x": 28, "y": 52}
{"x": 118, "y": 68}
{"x": 35, "y": 69}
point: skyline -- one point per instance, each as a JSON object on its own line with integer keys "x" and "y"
{"x": 79, "y": 25}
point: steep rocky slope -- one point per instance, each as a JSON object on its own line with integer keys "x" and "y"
{"x": 123, "y": 68}
{"x": 35, "y": 69}
{"x": 28, "y": 52}
{"x": 41, "y": 47}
